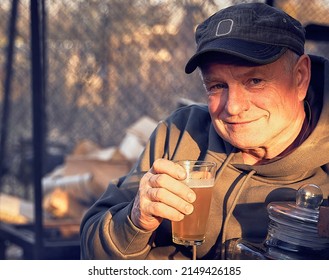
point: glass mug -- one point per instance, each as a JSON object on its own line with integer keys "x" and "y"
{"x": 200, "y": 177}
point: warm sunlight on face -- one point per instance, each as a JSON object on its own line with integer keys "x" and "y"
{"x": 255, "y": 106}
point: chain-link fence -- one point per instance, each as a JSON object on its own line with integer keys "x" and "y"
{"x": 109, "y": 62}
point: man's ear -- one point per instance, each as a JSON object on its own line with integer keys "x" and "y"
{"x": 303, "y": 75}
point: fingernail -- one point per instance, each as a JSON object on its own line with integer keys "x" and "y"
{"x": 188, "y": 209}
{"x": 181, "y": 217}
{"x": 181, "y": 175}
{"x": 191, "y": 196}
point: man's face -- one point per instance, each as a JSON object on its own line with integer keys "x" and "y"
{"x": 254, "y": 106}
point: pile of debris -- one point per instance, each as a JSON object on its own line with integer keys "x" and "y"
{"x": 70, "y": 189}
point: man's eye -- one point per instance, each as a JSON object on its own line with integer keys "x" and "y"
{"x": 255, "y": 81}
{"x": 217, "y": 88}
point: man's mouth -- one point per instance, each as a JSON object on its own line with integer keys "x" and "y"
{"x": 239, "y": 122}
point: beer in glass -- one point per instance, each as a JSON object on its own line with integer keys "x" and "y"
{"x": 200, "y": 177}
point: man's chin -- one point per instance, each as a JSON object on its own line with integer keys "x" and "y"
{"x": 245, "y": 145}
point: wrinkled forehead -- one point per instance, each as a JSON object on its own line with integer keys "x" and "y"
{"x": 214, "y": 72}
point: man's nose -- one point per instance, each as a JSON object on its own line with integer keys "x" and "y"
{"x": 237, "y": 101}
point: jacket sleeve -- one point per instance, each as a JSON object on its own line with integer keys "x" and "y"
{"x": 107, "y": 231}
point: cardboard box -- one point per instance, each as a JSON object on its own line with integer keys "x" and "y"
{"x": 136, "y": 137}
{"x": 103, "y": 166}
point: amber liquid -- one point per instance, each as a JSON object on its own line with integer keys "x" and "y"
{"x": 191, "y": 230}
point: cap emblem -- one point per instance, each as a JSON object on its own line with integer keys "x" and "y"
{"x": 224, "y": 27}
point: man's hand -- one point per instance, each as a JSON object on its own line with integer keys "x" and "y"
{"x": 162, "y": 194}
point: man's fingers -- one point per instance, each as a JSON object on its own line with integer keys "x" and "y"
{"x": 163, "y": 196}
{"x": 164, "y": 166}
{"x": 173, "y": 186}
{"x": 165, "y": 211}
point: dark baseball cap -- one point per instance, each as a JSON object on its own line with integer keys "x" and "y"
{"x": 255, "y": 32}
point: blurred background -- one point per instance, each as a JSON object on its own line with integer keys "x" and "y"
{"x": 83, "y": 84}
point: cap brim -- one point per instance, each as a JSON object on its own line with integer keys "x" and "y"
{"x": 252, "y": 52}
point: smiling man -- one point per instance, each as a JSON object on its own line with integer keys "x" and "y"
{"x": 245, "y": 98}
{"x": 266, "y": 125}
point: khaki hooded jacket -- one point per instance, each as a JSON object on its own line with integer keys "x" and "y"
{"x": 241, "y": 193}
